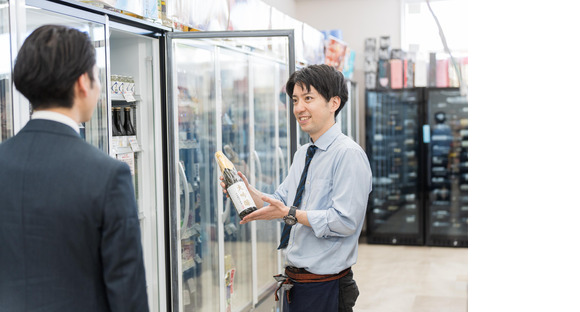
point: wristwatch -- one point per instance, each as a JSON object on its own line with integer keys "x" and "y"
{"x": 290, "y": 219}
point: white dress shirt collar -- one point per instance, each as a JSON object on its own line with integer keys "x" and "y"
{"x": 58, "y": 117}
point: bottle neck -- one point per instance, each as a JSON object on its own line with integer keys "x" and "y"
{"x": 230, "y": 176}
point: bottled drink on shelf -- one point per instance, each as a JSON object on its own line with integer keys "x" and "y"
{"x": 118, "y": 129}
{"x": 128, "y": 126}
{"x": 114, "y": 84}
{"x": 235, "y": 186}
{"x": 130, "y": 88}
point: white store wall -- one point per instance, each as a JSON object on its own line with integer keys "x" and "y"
{"x": 358, "y": 19}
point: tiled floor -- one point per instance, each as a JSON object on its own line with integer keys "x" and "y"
{"x": 411, "y": 279}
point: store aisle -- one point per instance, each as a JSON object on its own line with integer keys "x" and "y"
{"x": 411, "y": 279}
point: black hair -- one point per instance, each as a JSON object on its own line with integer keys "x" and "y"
{"x": 49, "y": 63}
{"x": 328, "y": 81}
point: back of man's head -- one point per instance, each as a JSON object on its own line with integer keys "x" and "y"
{"x": 49, "y": 63}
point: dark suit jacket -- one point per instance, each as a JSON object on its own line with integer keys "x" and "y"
{"x": 69, "y": 232}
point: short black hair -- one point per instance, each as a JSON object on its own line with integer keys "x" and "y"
{"x": 49, "y": 63}
{"x": 328, "y": 81}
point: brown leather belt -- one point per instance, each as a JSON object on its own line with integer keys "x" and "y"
{"x": 300, "y": 275}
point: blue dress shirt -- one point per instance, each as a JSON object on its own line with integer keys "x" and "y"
{"x": 335, "y": 197}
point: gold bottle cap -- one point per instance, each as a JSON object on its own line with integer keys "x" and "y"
{"x": 223, "y": 161}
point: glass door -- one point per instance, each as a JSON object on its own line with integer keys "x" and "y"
{"x": 6, "y": 115}
{"x": 195, "y": 275}
{"x": 224, "y": 94}
{"x": 354, "y": 108}
{"x": 95, "y": 130}
{"x": 348, "y": 114}
{"x": 235, "y": 142}
{"x": 266, "y": 87}
{"x": 285, "y": 117}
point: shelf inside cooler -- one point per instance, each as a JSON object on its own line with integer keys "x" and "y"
{"x": 120, "y": 98}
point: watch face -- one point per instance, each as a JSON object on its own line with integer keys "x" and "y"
{"x": 290, "y": 220}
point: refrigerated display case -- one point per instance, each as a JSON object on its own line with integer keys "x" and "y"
{"x": 446, "y": 140}
{"x": 134, "y": 80}
{"x": 394, "y": 214}
{"x": 228, "y": 99}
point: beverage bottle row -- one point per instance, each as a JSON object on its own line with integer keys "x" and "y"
{"x": 122, "y": 84}
{"x": 121, "y": 128}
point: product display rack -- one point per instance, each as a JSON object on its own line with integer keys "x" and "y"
{"x": 446, "y": 205}
{"x": 395, "y": 214}
{"x": 416, "y": 142}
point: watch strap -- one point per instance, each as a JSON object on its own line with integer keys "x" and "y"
{"x": 292, "y": 211}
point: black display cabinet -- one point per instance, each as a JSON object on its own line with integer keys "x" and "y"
{"x": 446, "y": 140}
{"x": 393, "y": 146}
{"x": 416, "y": 142}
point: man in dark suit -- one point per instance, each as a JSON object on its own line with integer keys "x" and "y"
{"x": 69, "y": 231}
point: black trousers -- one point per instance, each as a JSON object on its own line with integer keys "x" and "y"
{"x": 338, "y": 295}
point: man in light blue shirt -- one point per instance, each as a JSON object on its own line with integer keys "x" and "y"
{"x": 324, "y": 214}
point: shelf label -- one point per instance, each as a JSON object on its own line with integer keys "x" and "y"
{"x": 129, "y": 97}
{"x": 134, "y": 144}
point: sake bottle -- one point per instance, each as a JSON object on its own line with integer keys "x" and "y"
{"x": 235, "y": 186}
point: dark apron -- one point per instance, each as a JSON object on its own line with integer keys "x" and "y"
{"x": 312, "y": 292}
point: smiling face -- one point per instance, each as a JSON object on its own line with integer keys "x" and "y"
{"x": 314, "y": 114}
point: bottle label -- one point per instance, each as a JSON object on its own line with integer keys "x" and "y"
{"x": 240, "y": 196}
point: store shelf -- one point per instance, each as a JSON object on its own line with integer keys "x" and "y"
{"x": 120, "y": 98}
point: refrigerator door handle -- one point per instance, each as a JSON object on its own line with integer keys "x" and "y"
{"x": 282, "y": 164}
{"x": 185, "y": 190}
{"x": 226, "y": 214}
{"x": 258, "y": 170}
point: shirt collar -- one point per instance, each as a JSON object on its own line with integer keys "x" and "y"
{"x": 58, "y": 117}
{"x": 327, "y": 137}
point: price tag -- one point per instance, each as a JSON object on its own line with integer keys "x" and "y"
{"x": 134, "y": 144}
{"x": 115, "y": 142}
{"x": 114, "y": 146}
{"x": 129, "y": 97}
{"x": 119, "y": 142}
{"x": 129, "y": 159}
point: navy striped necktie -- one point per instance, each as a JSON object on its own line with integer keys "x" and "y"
{"x": 298, "y": 198}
